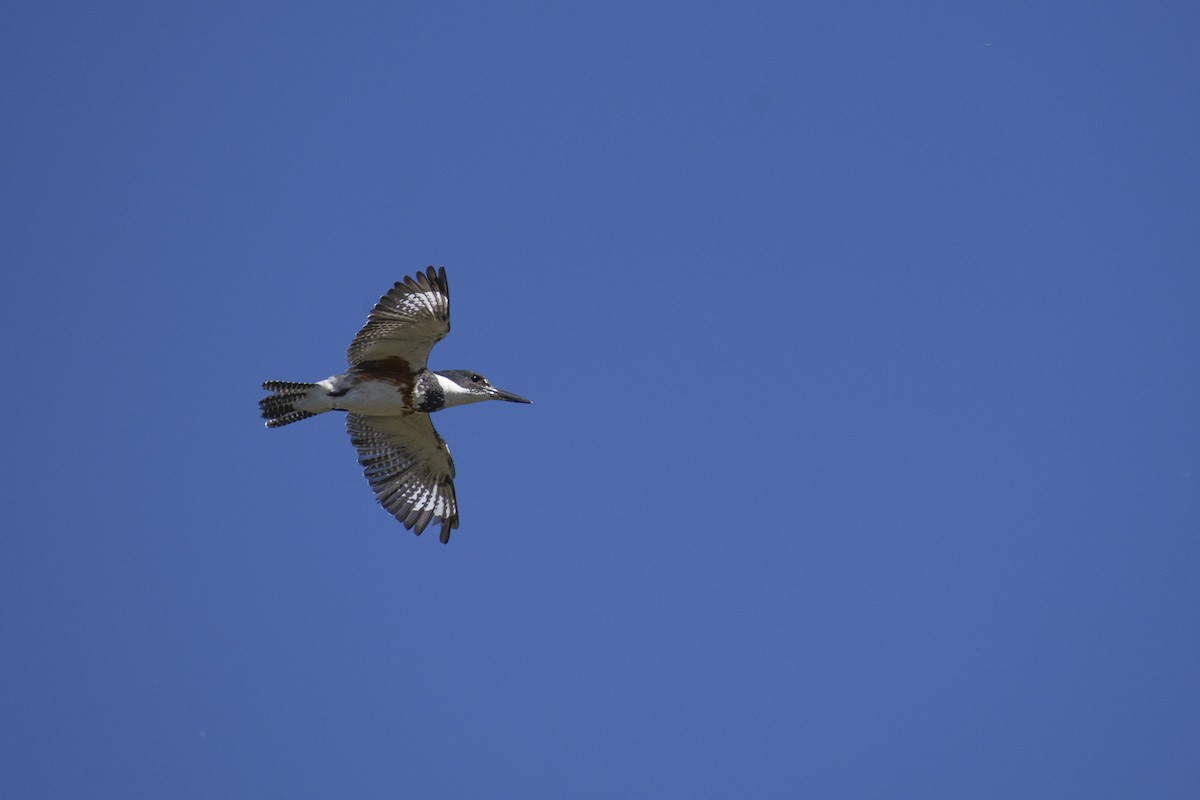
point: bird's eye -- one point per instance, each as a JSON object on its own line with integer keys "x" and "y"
{"x": 476, "y": 378}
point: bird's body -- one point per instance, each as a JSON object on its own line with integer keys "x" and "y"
{"x": 388, "y": 394}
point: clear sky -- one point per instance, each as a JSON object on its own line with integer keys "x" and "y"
{"x": 863, "y": 340}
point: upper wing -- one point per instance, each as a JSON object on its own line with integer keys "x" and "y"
{"x": 406, "y": 322}
{"x": 409, "y": 467}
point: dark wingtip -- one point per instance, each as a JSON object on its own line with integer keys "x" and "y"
{"x": 448, "y": 524}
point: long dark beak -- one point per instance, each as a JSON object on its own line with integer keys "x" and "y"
{"x": 500, "y": 394}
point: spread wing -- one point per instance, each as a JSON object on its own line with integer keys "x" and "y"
{"x": 406, "y": 322}
{"x": 409, "y": 467}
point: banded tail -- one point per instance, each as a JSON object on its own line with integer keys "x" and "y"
{"x": 278, "y": 408}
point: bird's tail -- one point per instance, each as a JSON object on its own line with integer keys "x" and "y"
{"x": 278, "y": 408}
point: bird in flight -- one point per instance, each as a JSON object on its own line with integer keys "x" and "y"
{"x": 388, "y": 395}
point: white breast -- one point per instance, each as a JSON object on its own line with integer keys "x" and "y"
{"x": 372, "y": 398}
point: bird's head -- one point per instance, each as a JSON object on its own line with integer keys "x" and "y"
{"x": 461, "y": 386}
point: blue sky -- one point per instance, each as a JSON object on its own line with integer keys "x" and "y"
{"x": 864, "y": 458}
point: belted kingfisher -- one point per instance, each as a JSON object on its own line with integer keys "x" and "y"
{"x": 388, "y": 395}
